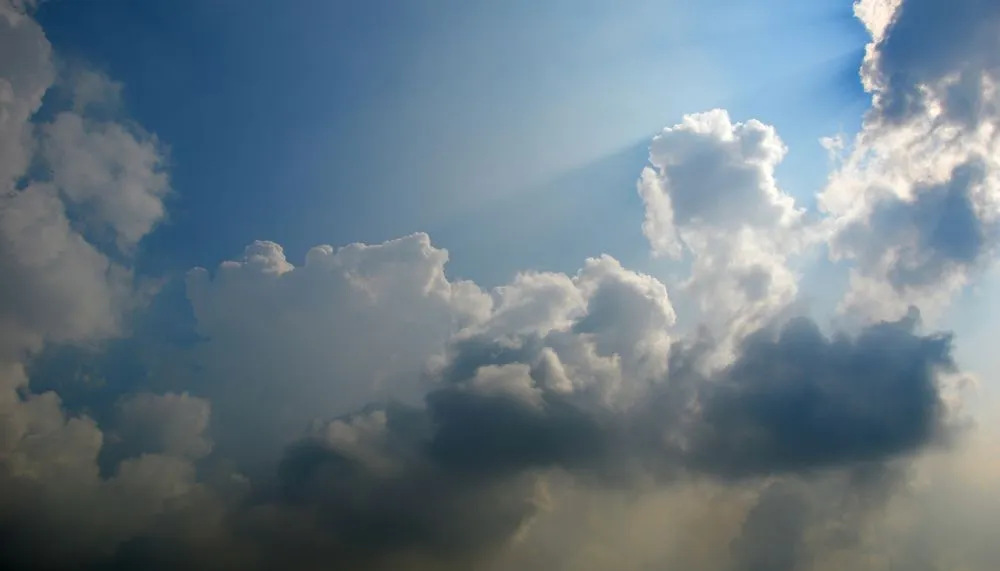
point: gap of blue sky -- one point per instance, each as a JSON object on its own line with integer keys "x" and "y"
{"x": 341, "y": 121}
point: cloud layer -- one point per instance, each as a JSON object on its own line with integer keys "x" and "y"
{"x": 363, "y": 410}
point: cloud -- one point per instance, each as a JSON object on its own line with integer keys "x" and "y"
{"x": 362, "y": 409}
{"x": 799, "y": 400}
{"x": 64, "y": 285}
{"x": 172, "y": 424}
{"x": 710, "y": 192}
{"x": 714, "y": 173}
{"x": 25, "y": 79}
{"x": 914, "y": 201}
{"x": 348, "y": 327}
{"x": 465, "y": 476}
{"x": 111, "y": 172}
{"x": 792, "y": 400}
{"x": 930, "y": 53}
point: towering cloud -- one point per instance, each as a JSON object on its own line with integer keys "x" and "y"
{"x": 710, "y": 192}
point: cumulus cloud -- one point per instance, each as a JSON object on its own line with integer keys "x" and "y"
{"x": 64, "y": 287}
{"x": 172, "y": 424}
{"x": 466, "y": 476}
{"x": 348, "y": 327}
{"x": 364, "y": 410}
{"x": 914, "y": 201}
{"x": 928, "y": 53}
{"x": 25, "y": 79}
{"x": 112, "y": 173}
{"x": 64, "y": 284}
{"x": 799, "y": 400}
{"x": 710, "y": 192}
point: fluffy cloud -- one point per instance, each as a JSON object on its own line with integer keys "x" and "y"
{"x": 915, "y": 201}
{"x": 64, "y": 287}
{"x": 792, "y": 400}
{"x": 927, "y": 54}
{"x": 69, "y": 189}
{"x": 114, "y": 174}
{"x": 467, "y": 476}
{"x": 348, "y": 327}
{"x": 710, "y": 191}
{"x": 23, "y": 82}
{"x": 172, "y": 424}
{"x": 797, "y": 400}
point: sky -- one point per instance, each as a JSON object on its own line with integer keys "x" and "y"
{"x": 453, "y": 285}
{"x": 306, "y": 123}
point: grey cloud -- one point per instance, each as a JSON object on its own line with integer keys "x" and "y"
{"x": 772, "y": 538}
{"x": 111, "y": 173}
{"x": 792, "y": 404}
{"x": 793, "y": 401}
{"x": 23, "y": 82}
{"x": 930, "y": 41}
{"x": 499, "y": 435}
{"x": 799, "y": 401}
{"x": 937, "y": 232}
{"x": 913, "y": 201}
{"x": 794, "y": 523}
{"x": 61, "y": 286}
{"x": 456, "y": 480}
{"x": 173, "y": 424}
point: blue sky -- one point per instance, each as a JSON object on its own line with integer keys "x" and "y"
{"x": 333, "y": 122}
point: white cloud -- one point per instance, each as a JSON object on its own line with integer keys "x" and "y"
{"x": 59, "y": 283}
{"x": 916, "y": 200}
{"x": 286, "y": 345}
{"x": 710, "y": 191}
{"x": 112, "y": 173}
{"x": 60, "y": 286}
{"x": 604, "y": 331}
{"x": 57, "y": 286}
{"x": 709, "y": 172}
{"x": 358, "y": 325}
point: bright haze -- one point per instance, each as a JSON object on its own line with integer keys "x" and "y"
{"x": 498, "y": 286}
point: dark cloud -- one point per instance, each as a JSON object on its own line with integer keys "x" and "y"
{"x": 937, "y": 233}
{"x": 498, "y": 435}
{"x": 794, "y": 522}
{"x": 772, "y": 538}
{"x": 793, "y": 400}
{"x": 949, "y": 229}
{"x": 913, "y": 200}
{"x": 455, "y": 480}
{"x": 800, "y": 400}
{"x": 930, "y": 41}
